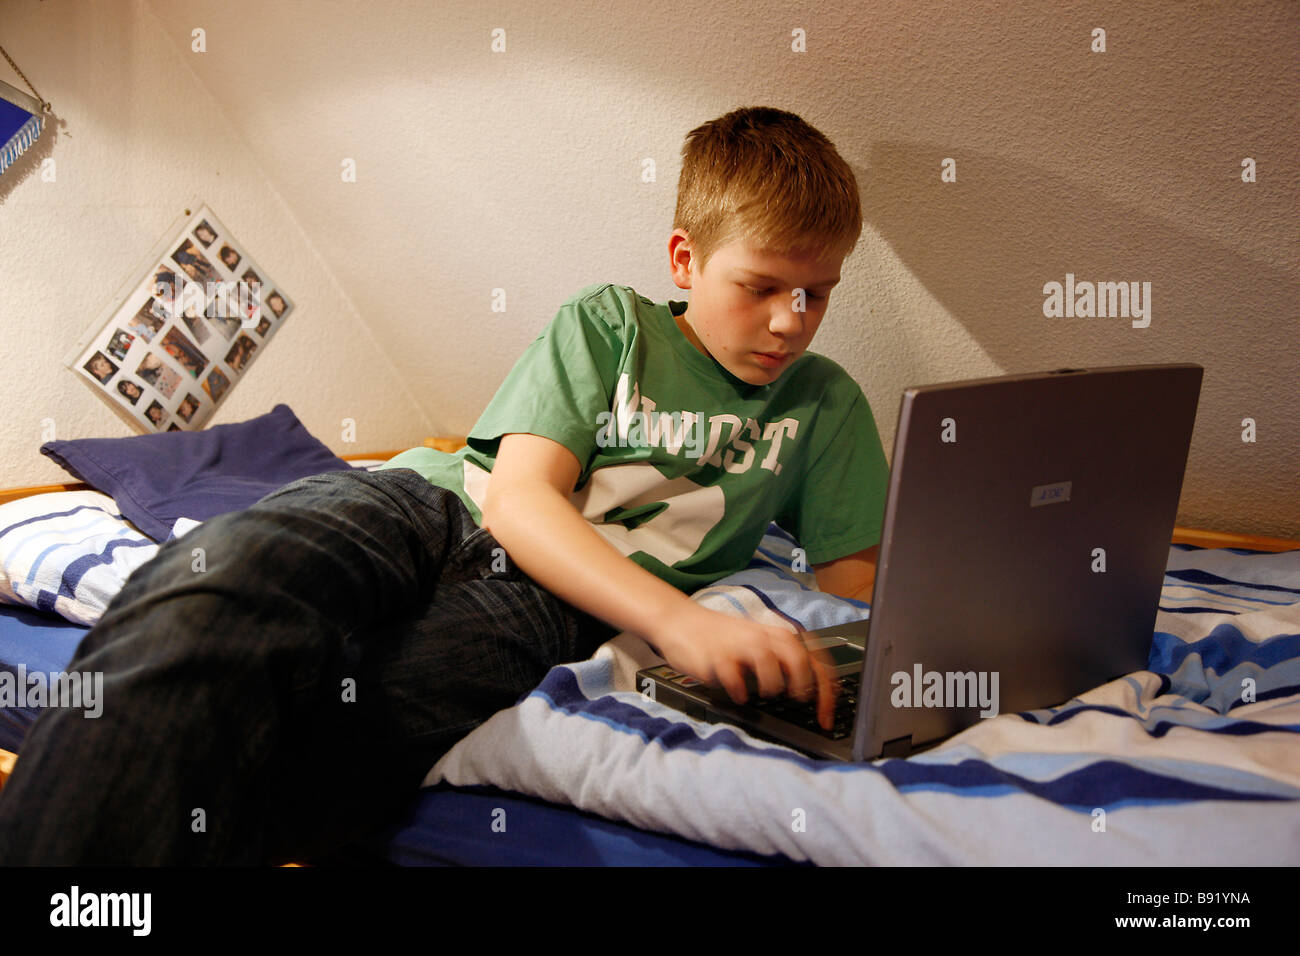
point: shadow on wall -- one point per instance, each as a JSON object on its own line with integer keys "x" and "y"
{"x": 985, "y": 245}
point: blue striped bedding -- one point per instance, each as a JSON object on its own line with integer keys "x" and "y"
{"x": 1176, "y": 765}
{"x": 68, "y": 552}
{"x": 1169, "y": 765}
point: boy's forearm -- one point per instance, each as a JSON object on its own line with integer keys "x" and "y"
{"x": 552, "y": 543}
{"x": 864, "y": 592}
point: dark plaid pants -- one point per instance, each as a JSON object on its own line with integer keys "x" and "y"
{"x": 286, "y": 688}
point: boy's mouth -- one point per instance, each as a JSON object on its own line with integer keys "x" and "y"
{"x": 772, "y": 359}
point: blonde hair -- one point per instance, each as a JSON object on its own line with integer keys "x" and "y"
{"x": 765, "y": 177}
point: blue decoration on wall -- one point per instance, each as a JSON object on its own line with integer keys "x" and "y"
{"x": 21, "y": 121}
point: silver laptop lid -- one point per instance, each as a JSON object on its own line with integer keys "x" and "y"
{"x": 1024, "y": 546}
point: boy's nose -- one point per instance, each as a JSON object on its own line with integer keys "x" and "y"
{"x": 786, "y": 321}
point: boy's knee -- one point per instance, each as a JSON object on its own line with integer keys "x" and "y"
{"x": 325, "y": 479}
{"x": 355, "y": 482}
{"x": 395, "y": 502}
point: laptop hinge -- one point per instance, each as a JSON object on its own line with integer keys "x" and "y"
{"x": 898, "y": 747}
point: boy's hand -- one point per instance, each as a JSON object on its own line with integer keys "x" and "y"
{"x": 722, "y": 650}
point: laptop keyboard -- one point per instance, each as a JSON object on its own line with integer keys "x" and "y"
{"x": 805, "y": 714}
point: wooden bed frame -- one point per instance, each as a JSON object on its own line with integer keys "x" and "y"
{"x": 1193, "y": 536}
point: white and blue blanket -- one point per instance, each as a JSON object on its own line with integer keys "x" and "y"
{"x": 1174, "y": 765}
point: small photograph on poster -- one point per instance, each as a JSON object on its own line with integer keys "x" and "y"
{"x": 100, "y": 368}
{"x": 199, "y": 329}
{"x": 185, "y": 353}
{"x": 205, "y": 234}
{"x": 120, "y": 344}
{"x": 163, "y": 290}
{"x": 215, "y": 385}
{"x": 186, "y": 409}
{"x": 277, "y": 304}
{"x": 241, "y": 353}
{"x": 131, "y": 391}
{"x": 227, "y": 325}
{"x": 198, "y": 268}
{"x": 229, "y": 257}
{"x": 153, "y": 371}
{"x": 146, "y": 322}
{"x": 168, "y": 354}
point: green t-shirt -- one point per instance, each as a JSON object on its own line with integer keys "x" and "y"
{"x": 683, "y": 464}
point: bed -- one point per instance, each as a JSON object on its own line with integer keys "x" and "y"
{"x": 1193, "y": 761}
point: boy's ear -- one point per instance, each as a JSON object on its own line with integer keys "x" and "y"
{"x": 681, "y": 258}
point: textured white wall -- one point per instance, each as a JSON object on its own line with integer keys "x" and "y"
{"x": 137, "y": 134}
{"x": 522, "y": 171}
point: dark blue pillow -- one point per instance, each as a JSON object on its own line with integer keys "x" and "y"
{"x": 158, "y": 478}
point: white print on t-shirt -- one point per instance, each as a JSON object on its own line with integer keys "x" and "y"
{"x": 691, "y": 510}
{"x": 675, "y": 533}
{"x": 682, "y": 431}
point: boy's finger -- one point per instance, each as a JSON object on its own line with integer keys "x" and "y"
{"x": 801, "y": 679}
{"x": 827, "y": 690}
{"x": 768, "y": 673}
{"x": 823, "y": 668}
{"x": 732, "y": 680}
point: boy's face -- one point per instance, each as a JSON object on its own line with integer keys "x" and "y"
{"x": 742, "y": 311}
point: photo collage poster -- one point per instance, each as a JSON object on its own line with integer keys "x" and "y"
{"x": 187, "y": 333}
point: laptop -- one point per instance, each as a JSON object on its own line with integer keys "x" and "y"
{"x": 1025, "y": 539}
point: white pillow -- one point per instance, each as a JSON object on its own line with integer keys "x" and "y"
{"x": 68, "y": 552}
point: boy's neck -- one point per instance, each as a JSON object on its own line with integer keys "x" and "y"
{"x": 690, "y": 333}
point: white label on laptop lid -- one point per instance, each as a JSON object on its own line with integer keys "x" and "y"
{"x": 1049, "y": 494}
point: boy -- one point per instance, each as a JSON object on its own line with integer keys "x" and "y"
{"x": 634, "y": 453}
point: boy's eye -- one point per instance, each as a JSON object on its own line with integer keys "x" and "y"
{"x": 762, "y": 292}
